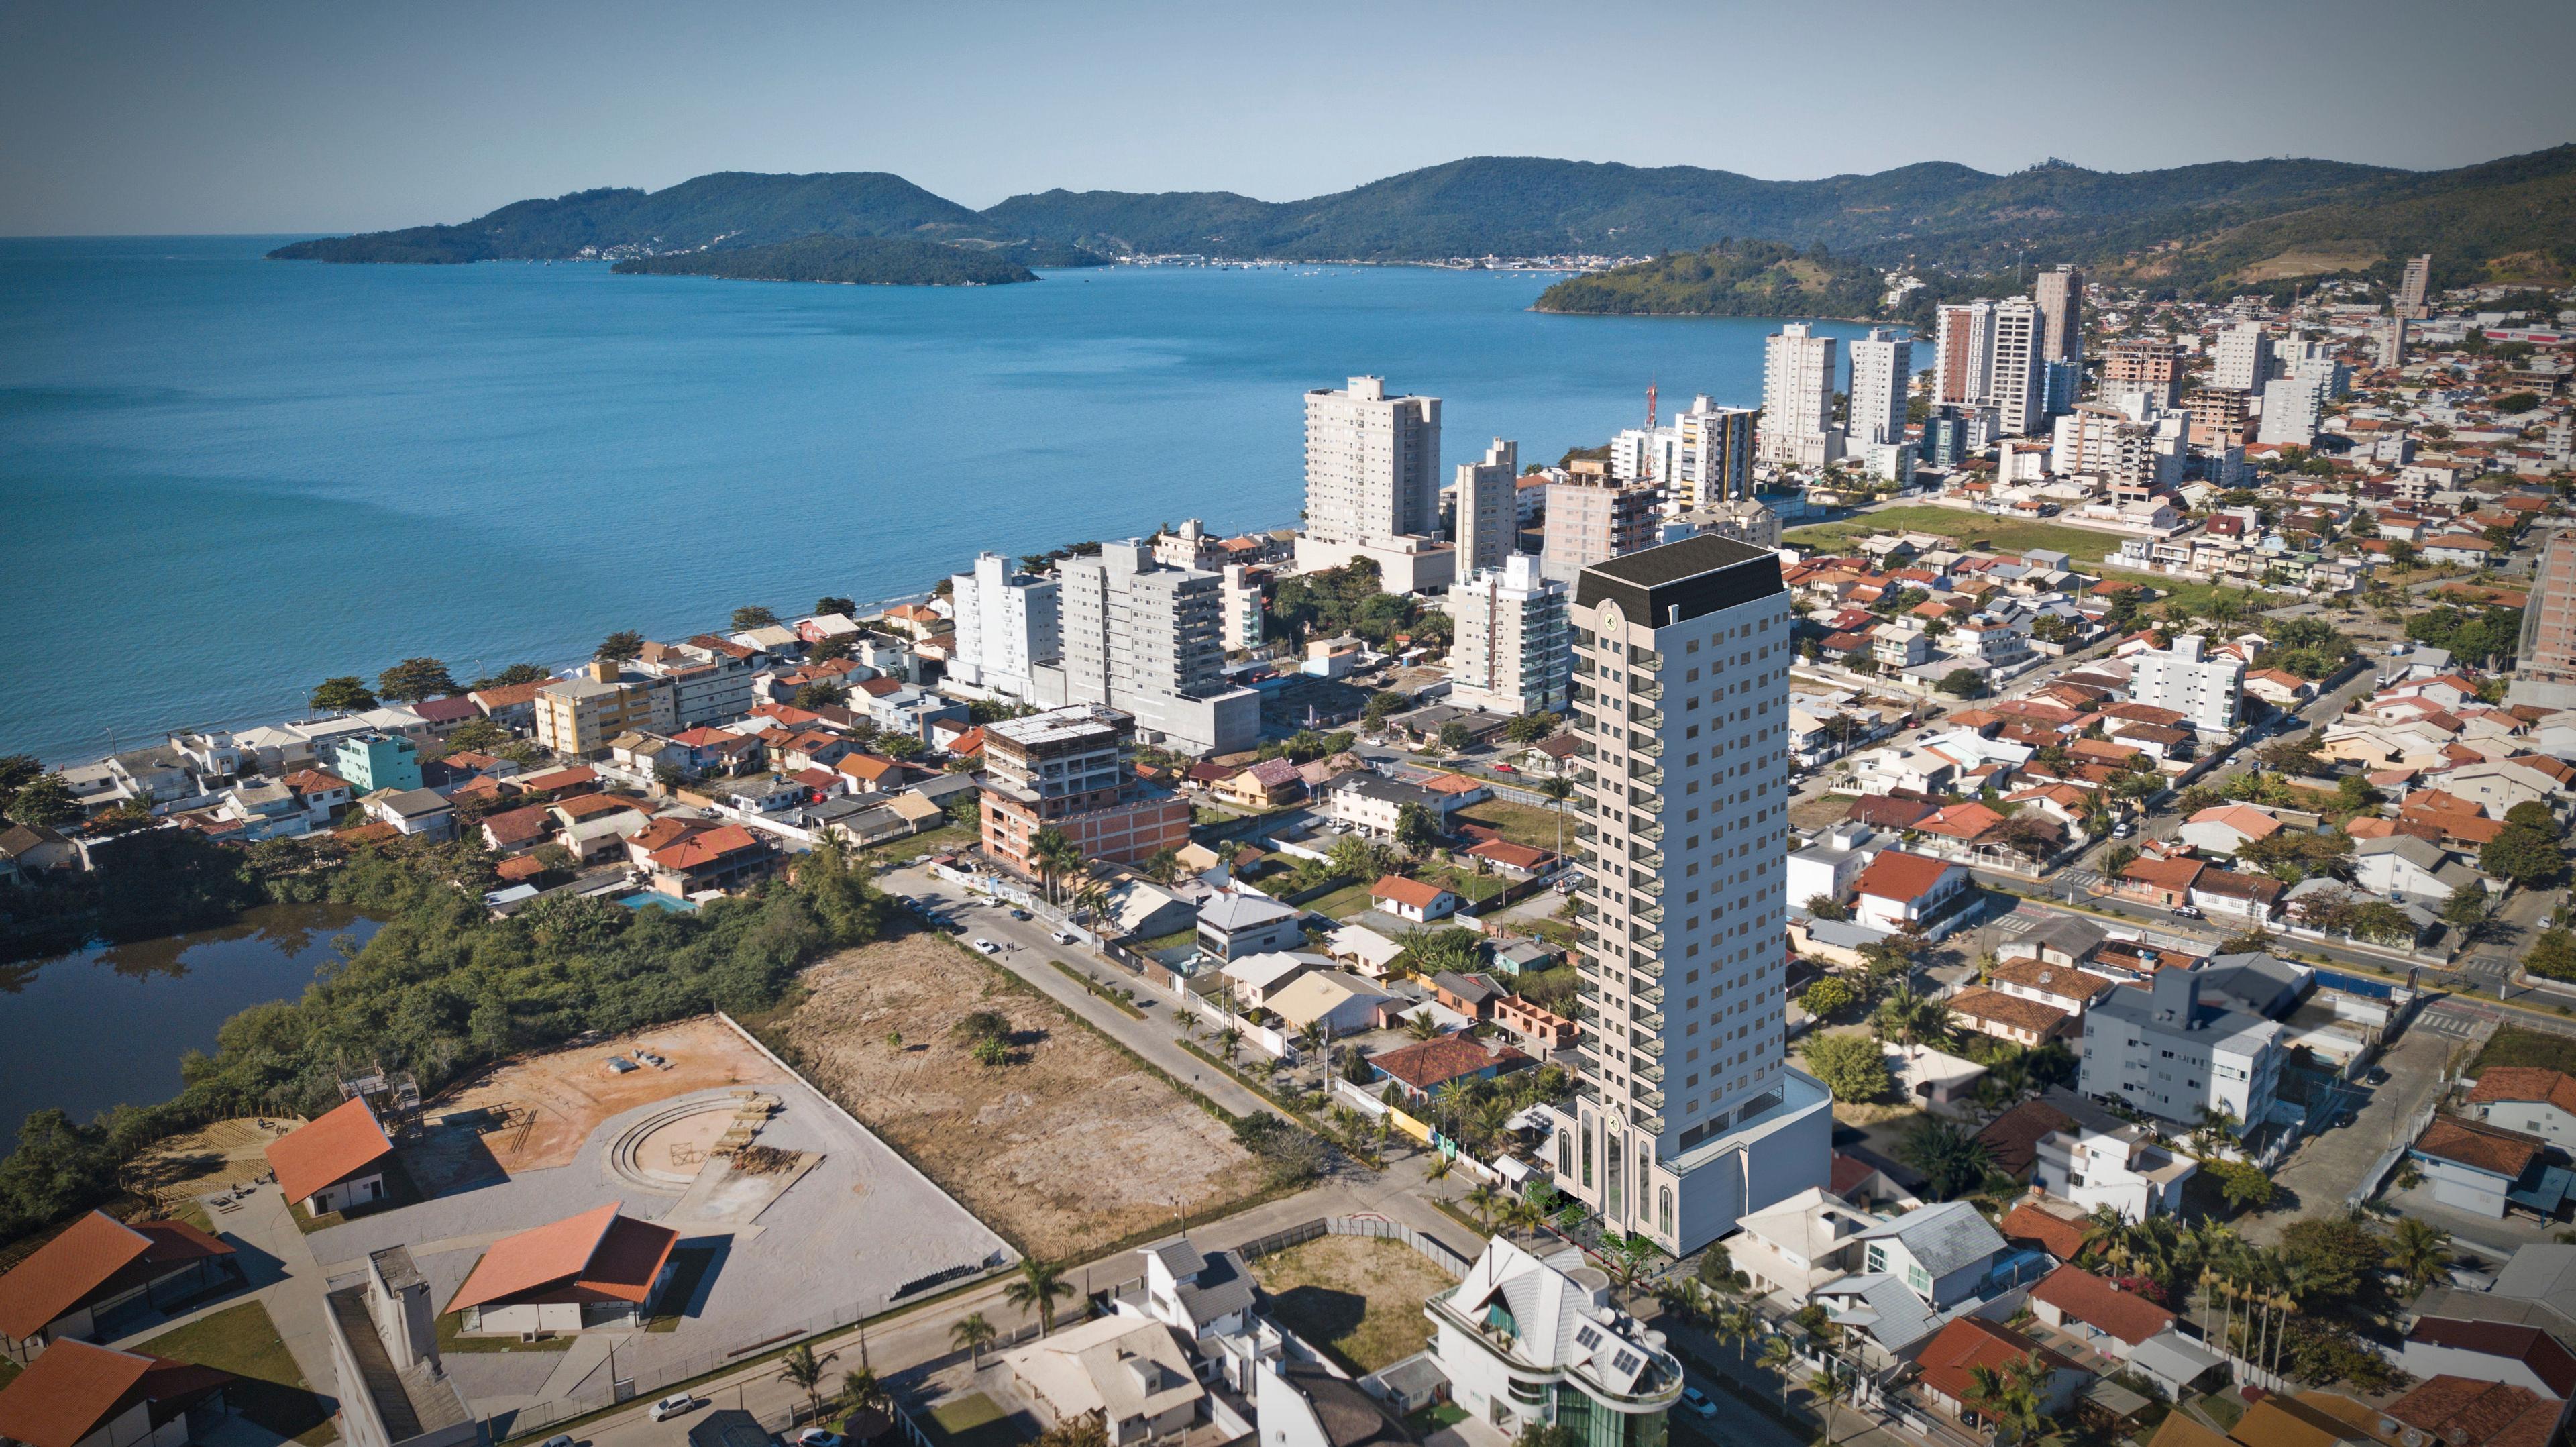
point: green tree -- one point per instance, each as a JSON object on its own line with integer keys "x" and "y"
{"x": 2246, "y": 1186}
{"x": 801, "y": 1369}
{"x": 45, "y": 800}
{"x": 828, "y": 603}
{"x": 1529, "y": 728}
{"x": 1454, "y": 736}
{"x": 1851, "y": 1066}
{"x": 752, "y": 615}
{"x": 478, "y": 735}
{"x": 1963, "y": 683}
{"x": 971, "y": 1336}
{"x": 344, "y": 694}
{"x": 1417, "y": 831}
{"x": 2523, "y": 856}
{"x": 1039, "y": 1287}
{"x": 819, "y": 695}
{"x": 1825, "y": 906}
{"x": 620, "y": 646}
{"x": 1163, "y": 865}
{"x": 2419, "y": 1251}
{"x": 17, "y": 771}
{"x": 901, "y": 747}
{"x": 415, "y": 679}
{"x": 2552, "y": 955}
{"x": 1952, "y": 1161}
{"x": 1829, "y": 997}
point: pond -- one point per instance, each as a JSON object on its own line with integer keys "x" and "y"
{"x": 108, "y": 1024}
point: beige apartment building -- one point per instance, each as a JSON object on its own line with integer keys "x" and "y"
{"x": 1509, "y": 653}
{"x": 1593, "y": 517}
{"x": 2152, "y": 365}
{"x": 577, "y": 717}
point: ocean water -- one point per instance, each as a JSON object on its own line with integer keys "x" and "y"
{"x": 224, "y": 478}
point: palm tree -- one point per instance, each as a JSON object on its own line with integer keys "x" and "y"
{"x": 2420, "y": 1251}
{"x": 1558, "y": 788}
{"x": 1039, "y": 1288}
{"x": 1830, "y": 1385}
{"x": 1737, "y": 1326}
{"x": 1777, "y": 1355}
{"x": 800, "y": 1369}
{"x": 861, "y": 1392}
{"x": 1523, "y": 1213}
{"x": 1438, "y": 1170}
{"x": 1055, "y": 854}
{"x": 1230, "y": 1037}
{"x": 1452, "y": 1100}
{"x": 1480, "y": 1202}
{"x": 971, "y": 1336}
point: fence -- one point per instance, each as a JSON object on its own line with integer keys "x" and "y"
{"x": 1439, "y": 1253}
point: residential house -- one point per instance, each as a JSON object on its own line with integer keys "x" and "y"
{"x": 2062, "y": 987}
{"x": 31, "y": 853}
{"x": 2225, "y": 829}
{"x": 1134, "y": 1375}
{"x": 591, "y": 825}
{"x": 97, "y": 1266}
{"x": 2528, "y": 1099}
{"x": 1424, "y": 1066}
{"x": 1827, "y": 868}
{"x": 2404, "y": 864}
{"x": 2519, "y": 1354}
{"x": 1949, "y": 1363}
{"x": 1526, "y": 1341}
{"x": 1800, "y": 1244}
{"x": 2166, "y": 882}
{"x": 2472, "y": 1166}
{"x": 1471, "y": 996}
{"x": 598, "y": 1270}
{"x": 419, "y": 812}
{"x": 1199, "y": 1294}
{"x": 2471, "y": 1411}
{"x": 1337, "y": 1000}
{"x": 2095, "y": 1311}
{"x": 1372, "y": 804}
{"x": 1255, "y": 978}
{"x": 517, "y": 831}
{"x": 2253, "y": 897}
{"x": 1898, "y": 888}
{"x": 2024, "y": 1022}
{"x": 2095, "y": 1159}
{"x": 1534, "y": 1025}
{"x": 1234, "y": 923}
{"x": 1269, "y": 784}
{"x": 722, "y": 858}
{"x": 334, "y": 1161}
{"x": 1513, "y": 861}
{"x": 1412, "y": 899}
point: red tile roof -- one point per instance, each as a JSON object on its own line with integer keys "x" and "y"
{"x": 1895, "y": 874}
{"x": 2170, "y": 874}
{"x": 571, "y": 778}
{"x": 1429, "y": 1064}
{"x": 598, "y": 1255}
{"x": 519, "y": 826}
{"x": 2524, "y": 1082}
{"x": 699, "y": 850}
{"x": 332, "y": 1146}
{"x": 2052, "y": 1233}
{"x": 1510, "y": 855}
{"x": 2010, "y": 1011}
{"x": 2534, "y": 1348}
{"x": 2012, "y": 1138}
{"x": 2093, "y": 1299}
{"x": 76, "y": 1388}
{"x": 2461, "y": 1412}
{"x": 2482, "y": 1147}
{"x": 86, "y": 1258}
{"x": 1407, "y": 891}
{"x": 1971, "y": 1342}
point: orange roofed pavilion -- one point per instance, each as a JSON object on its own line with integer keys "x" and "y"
{"x": 597, "y": 1269}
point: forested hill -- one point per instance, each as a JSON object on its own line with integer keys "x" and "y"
{"x": 850, "y": 260}
{"x": 1732, "y": 279}
{"x": 2199, "y": 225}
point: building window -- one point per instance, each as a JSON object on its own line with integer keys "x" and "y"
{"x": 1587, "y": 1154}
{"x": 1564, "y": 1155}
{"x": 1664, "y": 1210}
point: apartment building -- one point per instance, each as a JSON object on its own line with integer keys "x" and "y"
{"x": 2544, "y": 671}
{"x": 1712, "y": 457}
{"x": 2218, "y": 416}
{"x": 710, "y": 686}
{"x": 1798, "y": 375}
{"x": 2157, "y": 1047}
{"x": 2019, "y": 375}
{"x": 1149, "y": 641}
{"x": 2291, "y": 406}
{"x": 1688, "y": 1114}
{"x": 1190, "y": 545}
{"x": 2414, "y": 287}
{"x": 1593, "y": 517}
{"x": 1009, "y": 623}
{"x": 1963, "y": 354}
{"x": 1245, "y": 612}
{"x": 1488, "y": 519}
{"x": 1072, "y": 770}
{"x": 1509, "y": 651}
{"x": 1373, "y": 484}
{"x": 2132, "y": 456}
{"x": 2059, "y": 294}
{"x": 577, "y": 717}
{"x": 2242, "y": 359}
{"x": 1882, "y": 364}
{"x": 2207, "y": 690}
{"x": 2152, "y": 365}
{"x": 1647, "y": 454}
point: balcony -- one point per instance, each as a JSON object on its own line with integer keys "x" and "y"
{"x": 1648, "y": 1095}
{"x": 1583, "y": 667}
{"x": 1646, "y": 803}
{"x": 1650, "y": 885}
{"x": 1650, "y": 967}
{"x": 1583, "y": 693}
{"x": 1651, "y": 1046}
{"x": 1648, "y": 914}
{"x": 1645, "y": 658}
{"x": 1647, "y": 939}
{"x": 1652, "y": 1074}
{"x": 1649, "y": 745}
{"x": 1652, "y": 995}
{"x": 1646, "y": 774}
{"x": 1646, "y": 858}
{"x": 1645, "y": 688}
{"x": 1649, "y": 832}
{"x": 1647, "y": 1121}
{"x": 1645, "y": 717}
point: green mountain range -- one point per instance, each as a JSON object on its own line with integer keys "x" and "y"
{"x": 2206, "y": 226}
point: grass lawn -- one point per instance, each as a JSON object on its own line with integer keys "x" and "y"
{"x": 451, "y": 1338}
{"x": 1434, "y": 1417}
{"x": 937, "y": 841}
{"x": 2515, "y": 1046}
{"x": 974, "y": 1420}
{"x": 243, "y": 1340}
{"x": 1466, "y": 883}
{"x": 1342, "y": 903}
{"x": 1986, "y": 533}
{"x": 1520, "y": 823}
{"x": 1164, "y": 942}
{"x": 1359, "y": 1298}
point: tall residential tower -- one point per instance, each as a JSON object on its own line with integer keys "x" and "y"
{"x": 1798, "y": 376}
{"x": 1687, "y": 1115}
{"x": 1488, "y": 515}
{"x": 1882, "y": 364}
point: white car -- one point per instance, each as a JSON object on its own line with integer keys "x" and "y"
{"x": 1065, "y": 937}
{"x": 1693, "y": 1399}
{"x": 672, "y": 1406}
{"x": 560, "y": 1439}
{"x": 818, "y": 1437}
{"x": 988, "y": 947}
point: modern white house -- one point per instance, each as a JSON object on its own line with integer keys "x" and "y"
{"x": 2101, "y": 1160}
{"x": 1527, "y": 1341}
{"x": 1134, "y": 1373}
{"x": 1198, "y": 1294}
{"x": 1793, "y": 1248}
{"x": 1234, "y": 923}
{"x": 1827, "y": 867}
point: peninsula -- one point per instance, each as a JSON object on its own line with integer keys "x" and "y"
{"x": 847, "y": 260}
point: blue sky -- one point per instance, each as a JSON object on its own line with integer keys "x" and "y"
{"x": 123, "y": 117}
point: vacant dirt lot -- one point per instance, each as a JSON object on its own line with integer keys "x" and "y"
{"x": 1066, "y": 1149}
{"x": 555, "y": 1100}
{"x": 1358, "y": 1297}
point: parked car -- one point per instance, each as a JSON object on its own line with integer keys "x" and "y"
{"x": 2378, "y": 1075}
{"x": 673, "y": 1405}
{"x": 2186, "y": 911}
{"x": 988, "y": 947}
{"x": 1696, "y": 1402}
{"x": 560, "y": 1439}
{"x": 1065, "y": 937}
{"x": 818, "y": 1437}
{"x": 1019, "y": 914}
{"x": 1505, "y": 769}
{"x": 2123, "y": 829}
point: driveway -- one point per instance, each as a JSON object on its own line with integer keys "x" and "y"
{"x": 2323, "y": 1170}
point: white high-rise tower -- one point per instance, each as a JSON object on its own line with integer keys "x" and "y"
{"x": 1798, "y": 375}
{"x": 2020, "y": 376}
{"x": 1488, "y": 510}
{"x": 1881, "y": 365}
{"x": 1372, "y": 464}
{"x": 1688, "y": 1115}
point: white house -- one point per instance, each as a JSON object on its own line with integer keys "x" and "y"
{"x": 1238, "y": 922}
{"x": 2100, "y": 1160}
{"x": 1827, "y": 867}
{"x": 2529, "y": 1099}
{"x": 1134, "y": 1373}
{"x": 2404, "y": 864}
{"x": 1897, "y": 888}
{"x": 1198, "y": 1294}
{"x": 2472, "y": 1166}
{"x": 1804, "y": 1242}
{"x": 1257, "y": 977}
{"x": 1525, "y": 1341}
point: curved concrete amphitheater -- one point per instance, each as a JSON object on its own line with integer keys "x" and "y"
{"x": 663, "y": 1151}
